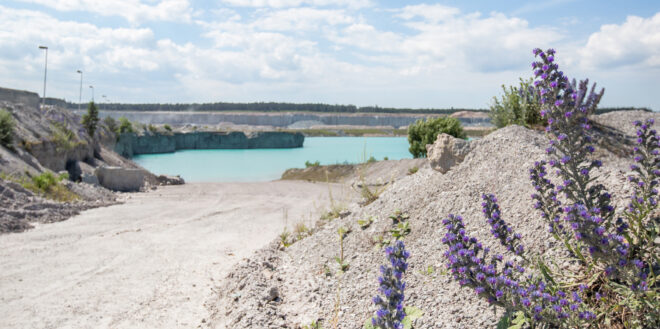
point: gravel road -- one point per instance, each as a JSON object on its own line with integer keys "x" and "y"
{"x": 153, "y": 261}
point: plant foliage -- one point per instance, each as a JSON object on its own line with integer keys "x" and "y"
{"x": 90, "y": 119}
{"x": 425, "y": 132}
{"x": 6, "y": 128}
{"x": 518, "y": 105}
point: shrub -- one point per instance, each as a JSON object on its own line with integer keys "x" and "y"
{"x": 6, "y": 128}
{"x": 371, "y": 159}
{"x": 63, "y": 138}
{"x": 152, "y": 128}
{"x": 47, "y": 185}
{"x": 413, "y": 170}
{"x": 125, "y": 126}
{"x": 90, "y": 119}
{"x": 110, "y": 123}
{"x": 615, "y": 284}
{"x": 519, "y": 105}
{"x": 423, "y": 132}
{"x": 312, "y": 164}
{"x": 167, "y": 127}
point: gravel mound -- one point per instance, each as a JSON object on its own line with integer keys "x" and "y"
{"x": 290, "y": 288}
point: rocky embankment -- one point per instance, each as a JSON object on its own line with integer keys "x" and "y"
{"x": 130, "y": 144}
{"x": 52, "y": 140}
{"x": 294, "y": 286}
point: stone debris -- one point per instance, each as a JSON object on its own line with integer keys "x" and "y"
{"x": 446, "y": 152}
{"x": 310, "y": 286}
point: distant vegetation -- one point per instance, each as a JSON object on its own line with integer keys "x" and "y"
{"x": 6, "y": 128}
{"x": 312, "y": 164}
{"x": 62, "y": 136}
{"x": 425, "y": 132}
{"x": 125, "y": 126}
{"x": 111, "y": 124}
{"x": 271, "y": 107}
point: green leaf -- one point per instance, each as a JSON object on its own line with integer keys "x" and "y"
{"x": 412, "y": 313}
{"x": 546, "y": 272}
{"x": 519, "y": 321}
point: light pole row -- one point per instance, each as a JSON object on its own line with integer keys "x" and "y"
{"x": 43, "y": 99}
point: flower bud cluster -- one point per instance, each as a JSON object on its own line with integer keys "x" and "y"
{"x": 391, "y": 311}
{"x": 646, "y": 169}
{"x": 499, "y": 227}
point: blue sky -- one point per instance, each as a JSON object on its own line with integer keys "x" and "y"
{"x": 388, "y": 53}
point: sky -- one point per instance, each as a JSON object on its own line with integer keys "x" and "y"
{"x": 433, "y": 54}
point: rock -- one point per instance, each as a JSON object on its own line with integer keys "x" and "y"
{"x": 121, "y": 179}
{"x": 446, "y": 152}
{"x": 273, "y": 294}
{"x": 170, "y": 180}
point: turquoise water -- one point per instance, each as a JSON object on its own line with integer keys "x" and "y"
{"x": 269, "y": 164}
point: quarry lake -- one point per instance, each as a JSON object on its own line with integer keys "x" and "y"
{"x": 269, "y": 164}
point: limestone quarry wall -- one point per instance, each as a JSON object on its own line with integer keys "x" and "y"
{"x": 276, "y": 119}
{"x": 130, "y": 144}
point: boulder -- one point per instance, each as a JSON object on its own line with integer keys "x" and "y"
{"x": 446, "y": 152}
{"x": 121, "y": 179}
{"x": 90, "y": 179}
{"x": 170, "y": 180}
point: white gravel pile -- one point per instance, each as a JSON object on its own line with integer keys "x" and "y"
{"x": 291, "y": 288}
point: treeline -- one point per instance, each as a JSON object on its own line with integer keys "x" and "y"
{"x": 267, "y": 107}
{"x": 612, "y": 109}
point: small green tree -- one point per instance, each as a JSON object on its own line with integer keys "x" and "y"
{"x": 423, "y": 132}
{"x": 90, "y": 119}
{"x": 6, "y": 128}
{"x": 519, "y": 105}
{"x": 125, "y": 126}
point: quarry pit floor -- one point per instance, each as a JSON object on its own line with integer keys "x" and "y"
{"x": 155, "y": 261}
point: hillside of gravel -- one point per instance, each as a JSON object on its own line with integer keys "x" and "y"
{"x": 294, "y": 286}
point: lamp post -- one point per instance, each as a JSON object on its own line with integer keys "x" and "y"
{"x": 92, "y": 87}
{"x": 43, "y": 101}
{"x": 80, "y": 94}
{"x": 105, "y": 100}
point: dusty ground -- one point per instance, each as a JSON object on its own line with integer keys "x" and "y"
{"x": 152, "y": 262}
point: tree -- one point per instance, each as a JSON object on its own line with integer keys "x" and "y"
{"x": 91, "y": 119}
{"x": 423, "y": 132}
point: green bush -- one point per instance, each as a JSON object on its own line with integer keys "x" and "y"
{"x": 167, "y": 127}
{"x": 6, "y": 128}
{"x": 152, "y": 128}
{"x": 63, "y": 138}
{"x": 519, "y": 105}
{"x": 111, "y": 124}
{"x": 90, "y": 119}
{"x": 312, "y": 164}
{"x": 125, "y": 126}
{"x": 425, "y": 132}
{"x": 46, "y": 184}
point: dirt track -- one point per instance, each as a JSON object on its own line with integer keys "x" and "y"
{"x": 152, "y": 262}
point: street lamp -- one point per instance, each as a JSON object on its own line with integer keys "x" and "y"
{"x": 92, "y": 87}
{"x": 105, "y": 100}
{"x": 80, "y": 94}
{"x": 43, "y": 101}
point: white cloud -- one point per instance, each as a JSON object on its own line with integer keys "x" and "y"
{"x": 297, "y": 3}
{"x": 301, "y": 19}
{"x": 133, "y": 11}
{"x": 635, "y": 42}
{"x": 434, "y": 13}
